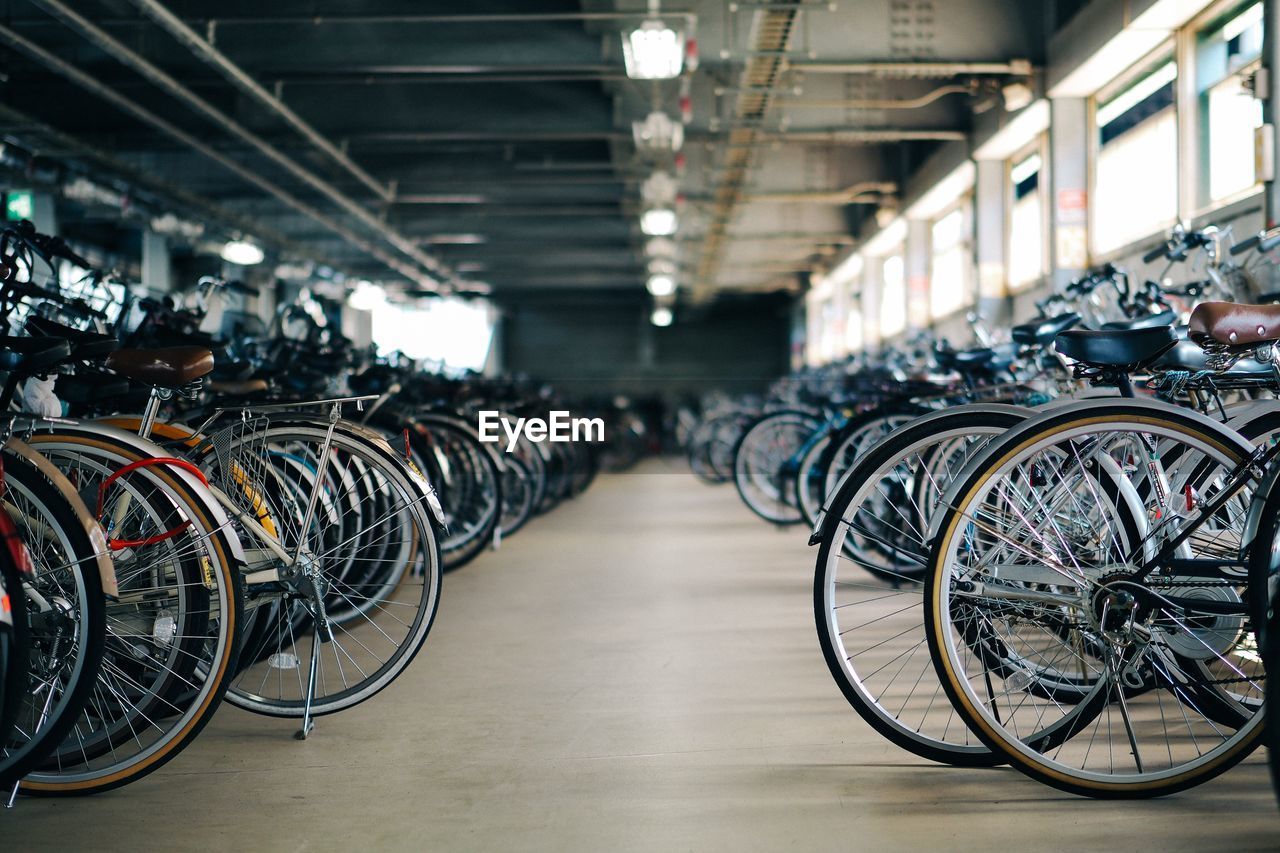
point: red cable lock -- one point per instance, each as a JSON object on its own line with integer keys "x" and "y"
{"x": 121, "y": 544}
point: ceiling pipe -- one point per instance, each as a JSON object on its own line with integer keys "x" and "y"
{"x": 370, "y": 20}
{"x": 163, "y": 80}
{"x": 885, "y": 103}
{"x": 867, "y": 191}
{"x": 918, "y": 70}
{"x": 91, "y": 84}
{"x": 171, "y": 194}
{"x": 867, "y": 137}
{"x": 236, "y": 75}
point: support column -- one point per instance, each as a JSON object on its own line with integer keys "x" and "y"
{"x": 872, "y": 276}
{"x": 916, "y": 271}
{"x": 1271, "y": 103}
{"x": 1069, "y": 177}
{"x": 157, "y": 263}
{"x": 990, "y": 214}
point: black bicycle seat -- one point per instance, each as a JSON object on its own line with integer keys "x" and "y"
{"x": 32, "y": 356}
{"x": 1042, "y": 332}
{"x": 1151, "y": 321}
{"x": 1126, "y": 349}
{"x": 86, "y": 346}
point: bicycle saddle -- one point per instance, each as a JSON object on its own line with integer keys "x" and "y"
{"x": 169, "y": 367}
{"x": 1187, "y": 355}
{"x": 1042, "y": 332}
{"x": 88, "y": 346}
{"x": 32, "y": 356}
{"x": 1234, "y": 324}
{"x": 90, "y": 388}
{"x": 1151, "y": 321}
{"x": 1127, "y": 349}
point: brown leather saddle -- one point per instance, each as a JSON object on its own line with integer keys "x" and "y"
{"x": 1233, "y": 324}
{"x": 168, "y": 367}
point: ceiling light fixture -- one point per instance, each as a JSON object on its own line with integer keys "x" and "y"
{"x": 659, "y": 222}
{"x": 661, "y": 285}
{"x": 660, "y": 247}
{"x": 657, "y": 133}
{"x": 653, "y": 51}
{"x": 242, "y": 252}
{"x": 662, "y": 266}
{"x": 661, "y": 317}
{"x": 659, "y": 189}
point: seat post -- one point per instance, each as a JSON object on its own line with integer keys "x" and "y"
{"x": 151, "y": 411}
{"x": 1125, "y": 384}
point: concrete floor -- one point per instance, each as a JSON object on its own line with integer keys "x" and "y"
{"x": 637, "y": 671}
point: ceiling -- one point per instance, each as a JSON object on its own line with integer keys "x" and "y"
{"x": 490, "y": 142}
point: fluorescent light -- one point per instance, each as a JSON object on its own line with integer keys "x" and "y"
{"x": 455, "y": 239}
{"x": 658, "y": 189}
{"x": 660, "y": 247}
{"x": 1242, "y": 22}
{"x": 1017, "y": 134}
{"x": 888, "y": 240}
{"x": 242, "y": 252}
{"x": 661, "y": 285}
{"x": 1131, "y": 97}
{"x": 657, "y": 133}
{"x": 662, "y": 266}
{"x": 944, "y": 192}
{"x": 661, "y": 317}
{"x": 654, "y": 51}
{"x": 1112, "y": 59}
{"x": 659, "y": 222}
{"x": 846, "y": 271}
{"x": 367, "y": 296}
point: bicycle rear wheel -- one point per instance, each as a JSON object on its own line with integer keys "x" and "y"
{"x": 373, "y": 550}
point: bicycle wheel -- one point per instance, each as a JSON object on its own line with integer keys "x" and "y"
{"x": 172, "y": 632}
{"x": 517, "y": 496}
{"x": 1029, "y": 557}
{"x": 872, "y": 628}
{"x": 14, "y": 643}
{"x": 379, "y": 569}
{"x": 765, "y": 464}
{"x": 65, "y": 608}
{"x": 469, "y": 482}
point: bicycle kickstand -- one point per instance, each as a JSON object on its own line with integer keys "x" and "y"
{"x": 321, "y": 633}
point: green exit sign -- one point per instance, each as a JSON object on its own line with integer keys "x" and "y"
{"x": 18, "y": 204}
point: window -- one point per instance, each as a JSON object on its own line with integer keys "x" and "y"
{"x": 949, "y": 273}
{"x": 454, "y": 331}
{"x": 853, "y": 331}
{"x": 1026, "y": 223}
{"x": 1228, "y": 52}
{"x": 893, "y": 296}
{"x": 1135, "y": 175}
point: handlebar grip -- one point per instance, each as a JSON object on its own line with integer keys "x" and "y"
{"x": 1155, "y": 254}
{"x": 1245, "y": 245}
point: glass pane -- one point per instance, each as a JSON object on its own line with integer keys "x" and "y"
{"x": 1026, "y": 241}
{"x": 1136, "y": 188}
